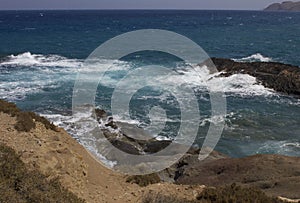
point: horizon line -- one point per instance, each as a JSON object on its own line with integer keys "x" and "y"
{"x": 128, "y": 9}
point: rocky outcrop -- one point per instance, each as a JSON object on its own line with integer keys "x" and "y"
{"x": 280, "y": 77}
{"x": 274, "y": 174}
{"x": 284, "y": 6}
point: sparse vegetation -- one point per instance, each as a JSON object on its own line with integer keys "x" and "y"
{"x": 235, "y": 193}
{"x": 152, "y": 197}
{"x": 18, "y": 184}
{"x": 144, "y": 180}
{"x": 227, "y": 194}
{"x": 9, "y": 108}
{"x": 25, "y": 120}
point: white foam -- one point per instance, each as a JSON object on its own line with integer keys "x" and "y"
{"x": 80, "y": 126}
{"x": 18, "y": 90}
{"x": 28, "y": 59}
{"x": 31, "y": 73}
{"x": 280, "y": 147}
{"x": 258, "y": 57}
{"x": 241, "y": 84}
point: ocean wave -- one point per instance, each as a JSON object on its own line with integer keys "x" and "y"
{"x": 29, "y": 59}
{"x": 239, "y": 84}
{"x": 28, "y": 73}
{"x": 287, "y": 148}
{"x": 51, "y": 69}
{"x": 258, "y": 57}
{"x": 80, "y": 126}
{"x": 13, "y": 91}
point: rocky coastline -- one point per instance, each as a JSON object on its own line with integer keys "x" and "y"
{"x": 56, "y": 156}
{"x": 282, "y": 78}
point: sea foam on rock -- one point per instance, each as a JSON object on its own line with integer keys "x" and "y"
{"x": 280, "y": 77}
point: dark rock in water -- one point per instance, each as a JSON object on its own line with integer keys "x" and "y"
{"x": 154, "y": 146}
{"x": 280, "y": 77}
{"x": 111, "y": 124}
{"x": 100, "y": 114}
{"x": 284, "y": 6}
{"x": 125, "y": 146}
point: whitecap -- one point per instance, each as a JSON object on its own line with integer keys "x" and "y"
{"x": 79, "y": 132}
{"x": 29, "y": 59}
{"x": 240, "y": 84}
{"x": 258, "y": 57}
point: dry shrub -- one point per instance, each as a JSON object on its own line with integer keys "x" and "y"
{"x": 18, "y": 184}
{"x": 144, "y": 180}
{"x": 9, "y": 108}
{"x": 227, "y": 194}
{"x": 25, "y": 120}
{"x": 235, "y": 193}
{"x": 152, "y": 197}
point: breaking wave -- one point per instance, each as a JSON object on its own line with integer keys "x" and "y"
{"x": 258, "y": 57}
{"x": 29, "y": 59}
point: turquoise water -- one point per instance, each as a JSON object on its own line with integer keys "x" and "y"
{"x": 42, "y": 51}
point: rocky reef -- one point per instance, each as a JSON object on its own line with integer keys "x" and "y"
{"x": 280, "y": 77}
{"x": 273, "y": 174}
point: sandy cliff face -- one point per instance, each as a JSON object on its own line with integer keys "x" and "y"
{"x": 57, "y": 155}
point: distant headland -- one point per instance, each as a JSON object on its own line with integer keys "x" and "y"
{"x": 284, "y": 6}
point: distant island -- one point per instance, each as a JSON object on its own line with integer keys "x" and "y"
{"x": 284, "y": 6}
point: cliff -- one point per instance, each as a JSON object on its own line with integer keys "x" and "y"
{"x": 37, "y": 155}
{"x": 284, "y": 6}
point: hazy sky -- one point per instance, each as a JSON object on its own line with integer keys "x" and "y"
{"x": 135, "y": 4}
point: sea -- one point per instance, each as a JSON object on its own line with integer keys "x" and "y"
{"x": 41, "y": 53}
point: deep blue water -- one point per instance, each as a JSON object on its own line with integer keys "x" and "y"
{"x": 220, "y": 33}
{"x": 41, "y": 52}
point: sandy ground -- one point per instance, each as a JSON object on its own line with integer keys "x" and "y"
{"x": 57, "y": 154}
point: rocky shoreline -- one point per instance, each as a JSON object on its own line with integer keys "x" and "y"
{"x": 280, "y": 77}
{"x": 55, "y": 155}
{"x": 273, "y": 174}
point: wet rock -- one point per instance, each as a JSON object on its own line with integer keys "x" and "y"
{"x": 156, "y": 146}
{"x": 280, "y": 77}
{"x": 100, "y": 114}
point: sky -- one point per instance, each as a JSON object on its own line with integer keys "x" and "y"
{"x": 135, "y": 4}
